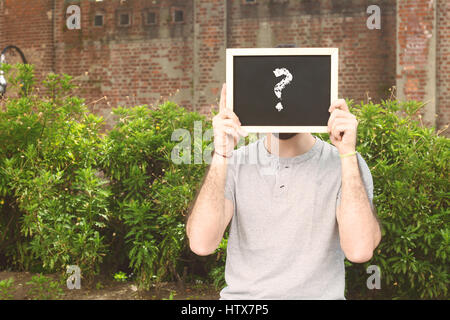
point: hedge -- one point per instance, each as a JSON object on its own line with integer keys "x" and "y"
{"x": 73, "y": 193}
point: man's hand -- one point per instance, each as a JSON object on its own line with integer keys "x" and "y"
{"x": 212, "y": 212}
{"x": 227, "y": 128}
{"x": 342, "y": 127}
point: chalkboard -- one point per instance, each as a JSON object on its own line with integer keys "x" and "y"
{"x": 282, "y": 89}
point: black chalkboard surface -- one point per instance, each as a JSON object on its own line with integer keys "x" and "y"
{"x": 282, "y": 89}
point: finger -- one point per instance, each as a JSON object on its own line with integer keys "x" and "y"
{"x": 333, "y": 140}
{"x": 338, "y": 104}
{"x": 232, "y": 132}
{"x": 232, "y": 123}
{"x": 223, "y": 97}
{"x": 228, "y": 113}
{"x": 243, "y": 132}
{"x": 337, "y": 113}
{"x": 341, "y": 128}
{"x": 342, "y": 121}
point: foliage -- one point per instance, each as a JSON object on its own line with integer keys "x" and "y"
{"x": 43, "y": 288}
{"x": 151, "y": 194}
{"x": 70, "y": 195}
{"x": 217, "y": 273}
{"x": 171, "y": 295}
{"x": 120, "y": 276}
{"x": 49, "y": 185}
{"x": 6, "y": 288}
{"x": 409, "y": 166}
{"x": 77, "y": 197}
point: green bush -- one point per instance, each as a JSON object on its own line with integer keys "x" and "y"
{"x": 409, "y": 166}
{"x": 151, "y": 194}
{"x": 217, "y": 273}
{"x": 53, "y": 202}
{"x": 6, "y": 289}
{"x": 72, "y": 195}
{"x": 43, "y": 288}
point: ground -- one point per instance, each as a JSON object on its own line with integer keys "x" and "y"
{"x": 108, "y": 289}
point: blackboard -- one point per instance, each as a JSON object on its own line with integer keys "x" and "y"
{"x": 299, "y": 105}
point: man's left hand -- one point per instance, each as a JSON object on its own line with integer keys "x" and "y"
{"x": 342, "y": 127}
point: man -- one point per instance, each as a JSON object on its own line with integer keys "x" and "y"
{"x": 290, "y": 226}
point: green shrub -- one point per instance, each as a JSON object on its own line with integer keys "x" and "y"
{"x": 151, "y": 194}
{"x": 409, "y": 166}
{"x": 54, "y": 203}
{"x": 6, "y": 288}
{"x": 70, "y": 195}
{"x": 217, "y": 273}
{"x": 120, "y": 276}
{"x": 43, "y": 288}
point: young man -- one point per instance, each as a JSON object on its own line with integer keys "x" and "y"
{"x": 291, "y": 225}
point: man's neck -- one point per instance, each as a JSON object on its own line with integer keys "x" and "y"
{"x": 295, "y": 146}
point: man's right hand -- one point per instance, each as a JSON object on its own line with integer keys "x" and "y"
{"x": 227, "y": 128}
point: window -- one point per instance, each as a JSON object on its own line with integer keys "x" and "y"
{"x": 177, "y": 15}
{"x": 98, "y": 20}
{"x": 124, "y": 19}
{"x": 150, "y": 18}
{"x": 249, "y": 1}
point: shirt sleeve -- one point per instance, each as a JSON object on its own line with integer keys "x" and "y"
{"x": 366, "y": 178}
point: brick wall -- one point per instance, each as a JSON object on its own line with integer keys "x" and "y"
{"x": 210, "y": 45}
{"x": 129, "y": 65}
{"x": 28, "y": 25}
{"x": 443, "y": 64}
{"x": 416, "y": 69}
{"x": 141, "y": 64}
{"x": 366, "y": 57}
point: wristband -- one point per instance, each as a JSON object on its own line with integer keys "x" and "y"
{"x": 221, "y": 155}
{"x": 347, "y": 154}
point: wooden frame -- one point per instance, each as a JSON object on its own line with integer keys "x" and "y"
{"x": 332, "y": 52}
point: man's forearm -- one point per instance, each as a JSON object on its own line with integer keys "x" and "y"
{"x": 206, "y": 223}
{"x": 358, "y": 227}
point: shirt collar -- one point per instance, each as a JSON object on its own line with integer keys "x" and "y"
{"x": 266, "y": 156}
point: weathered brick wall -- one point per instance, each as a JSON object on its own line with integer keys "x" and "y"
{"x": 28, "y": 25}
{"x": 416, "y": 38}
{"x": 443, "y": 64}
{"x": 131, "y": 65}
{"x": 209, "y": 47}
{"x": 2, "y": 20}
{"x": 367, "y": 57}
{"x": 185, "y": 61}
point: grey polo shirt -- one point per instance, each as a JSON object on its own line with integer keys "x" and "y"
{"x": 283, "y": 240}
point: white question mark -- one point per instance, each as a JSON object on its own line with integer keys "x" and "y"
{"x": 282, "y": 84}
